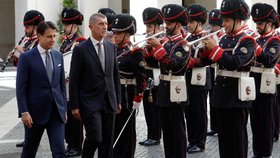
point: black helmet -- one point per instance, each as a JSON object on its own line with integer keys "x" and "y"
{"x": 33, "y": 17}
{"x": 197, "y": 13}
{"x": 71, "y": 16}
{"x": 264, "y": 12}
{"x": 215, "y": 17}
{"x": 235, "y": 9}
{"x": 124, "y": 23}
{"x": 110, "y": 14}
{"x": 175, "y": 13}
{"x": 152, "y": 16}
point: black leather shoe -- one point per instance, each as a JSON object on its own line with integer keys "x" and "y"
{"x": 195, "y": 149}
{"x": 151, "y": 142}
{"x": 20, "y": 144}
{"x": 189, "y": 146}
{"x": 142, "y": 142}
{"x": 211, "y": 133}
{"x": 72, "y": 153}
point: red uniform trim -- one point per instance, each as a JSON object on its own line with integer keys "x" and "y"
{"x": 216, "y": 54}
{"x": 277, "y": 69}
{"x": 159, "y": 52}
{"x": 259, "y": 50}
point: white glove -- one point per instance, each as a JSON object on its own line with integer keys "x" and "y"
{"x": 136, "y": 105}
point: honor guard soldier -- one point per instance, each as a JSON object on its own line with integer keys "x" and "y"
{"x": 196, "y": 112}
{"x": 153, "y": 19}
{"x": 172, "y": 98}
{"x": 31, "y": 19}
{"x": 215, "y": 21}
{"x": 71, "y": 19}
{"x": 110, "y": 14}
{"x": 133, "y": 84}
{"x": 267, "y": 55}
{"x": 233, "y": 88}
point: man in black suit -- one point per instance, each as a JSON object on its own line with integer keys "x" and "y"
{"x": 41, "y": 95}
{"x": 95, "y": 88}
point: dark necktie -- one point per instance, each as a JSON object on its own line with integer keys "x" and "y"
{"x": 49, "y": 66}
{"x": 101, "y": 55}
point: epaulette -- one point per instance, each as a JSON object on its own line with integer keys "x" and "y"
{"x": 63, "y": 38}
{"x": 80, "y": 39}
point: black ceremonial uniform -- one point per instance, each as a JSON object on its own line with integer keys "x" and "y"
{"x": 133, "y": 84}
{"x": 28, "y": 43}
{"x": 152, "y": 16}
{"x": 214, "y": 19}
{"x": 173, "y": 59}
{"x": 68, "y": 42}
{"x": 133, "y": 81}
{"x": 73, "y": 128}
{"x": 31, "y": 18}
{"x": 234, "y": 56}
{"x": 172, "y": 114}
{"x": 267, "y": 55}
{"x": 232, "y": 114}
{"x": 196, "y": 112}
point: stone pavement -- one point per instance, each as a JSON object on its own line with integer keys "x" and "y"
{"x": 15, "y": 134}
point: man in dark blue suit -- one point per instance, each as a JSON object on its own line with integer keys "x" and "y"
{"x": 41, "y": 96}
{"x": 95, "y": 88}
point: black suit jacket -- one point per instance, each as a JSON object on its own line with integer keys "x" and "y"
{"x": 88, "y": 82}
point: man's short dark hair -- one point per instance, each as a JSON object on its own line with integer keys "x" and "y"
{"x": 44, "y": 25}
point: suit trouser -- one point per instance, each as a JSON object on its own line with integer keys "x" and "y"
{"x": 261, "y": 116}
{"x": 55, "y": 130}
{"x": 152, "y": 115}
{"x": 99, "y": 126}
{"x": 174, "y": 131}
{"x": 232, "y": 132}
{"x": 196, "y": 118}
{"x": 73, "y": 132}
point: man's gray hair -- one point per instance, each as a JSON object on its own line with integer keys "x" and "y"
{"x": 94, "y": 16}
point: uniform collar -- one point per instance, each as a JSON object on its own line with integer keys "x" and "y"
{"x": 198, "y": 33}
{"x": 267, "y": 34}
{"x": 176, "y": 37}
{"x": 236, "y": 33}
{"x": 33, "y": 37}
{"x": 124, "y": 45}
{"x": 71, "y": 36}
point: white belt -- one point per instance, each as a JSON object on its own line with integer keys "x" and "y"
{"x": 261, "y": 69}
{"x": 234, "y": 74}
{"x": 213, "y": 65}
{"x": 128, "y": 81}
{"x": 170, "y": 77}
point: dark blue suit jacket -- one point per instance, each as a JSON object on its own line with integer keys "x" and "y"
{"x": 35, "y": 93}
